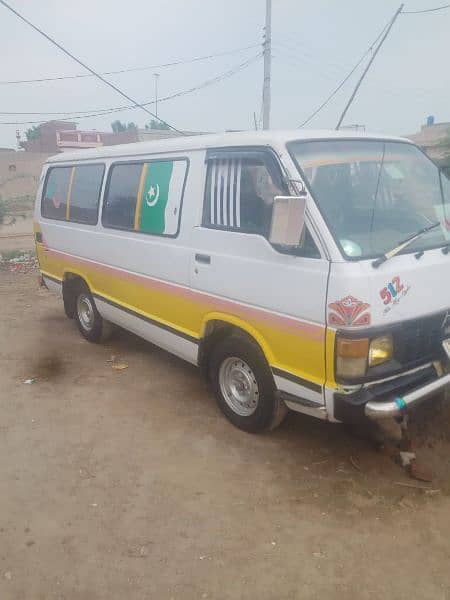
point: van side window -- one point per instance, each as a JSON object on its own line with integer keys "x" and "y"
{"x": 121, "y": 198}
{"x": 146, "y": 196}
{"x": 239, "y": 195}
{"x": 85, "y": 193}
{"x": 54, "y": 198}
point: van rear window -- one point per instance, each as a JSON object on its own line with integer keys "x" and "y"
{"x": 54, "y": 199}
{"x": 73, "y": 193}
{"x": 146, "y": 197}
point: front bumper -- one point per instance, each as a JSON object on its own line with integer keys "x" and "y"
{"x": 400, "y": 404}
{"x": 390, "y": 398}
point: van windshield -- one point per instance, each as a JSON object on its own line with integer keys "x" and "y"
{"x": 375, "y": 194}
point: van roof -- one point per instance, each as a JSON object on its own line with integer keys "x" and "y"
{"x": 217, "y": 140}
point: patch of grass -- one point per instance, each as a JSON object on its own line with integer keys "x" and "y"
{"x": 10, "y": 254}
{"x": 2, "y": 209}
{"x": 14, "y": 208}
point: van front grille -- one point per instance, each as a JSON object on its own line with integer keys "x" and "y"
{"x": 419, "y": 340}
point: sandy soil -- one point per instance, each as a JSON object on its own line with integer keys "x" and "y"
{"x": 132, "y": 485}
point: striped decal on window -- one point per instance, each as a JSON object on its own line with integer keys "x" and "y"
{"x": 225, "y": 192}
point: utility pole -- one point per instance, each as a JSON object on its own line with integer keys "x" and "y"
{"x": 267, "y": 45}
{"x": 352, "y": 97}
{"x": 156, "y": 76}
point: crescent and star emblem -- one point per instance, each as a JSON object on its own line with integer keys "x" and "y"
{"x": 152, "y": 195}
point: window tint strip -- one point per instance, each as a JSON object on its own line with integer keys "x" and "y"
{"x": 229, "y": 195}
{"x": 238, "y": 193}
{"x": 212, "y": 197}
{"x": 220, "y": 198}
{"x": 69, "y": 193}
{"x": 216, "y": 191}
{"x": 233, "y": 191}
{"x": 224, "y": 193}
{"x": 137, "y": 214}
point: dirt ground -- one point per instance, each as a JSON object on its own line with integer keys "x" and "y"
{"x": 130, "y": 484}
{"x": 17, "y": 236}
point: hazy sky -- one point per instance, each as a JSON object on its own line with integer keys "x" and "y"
{"x": 315, "y": 44}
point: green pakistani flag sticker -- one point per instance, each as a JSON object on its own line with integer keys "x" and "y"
{"x": 155, "y": 197}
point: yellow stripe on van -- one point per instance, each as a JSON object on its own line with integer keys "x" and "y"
{"x": 137, "y": 214}
{"x": 69, "y": 193}
{"x": 289, "y": 344}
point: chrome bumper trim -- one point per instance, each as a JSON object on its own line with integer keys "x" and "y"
{"x": 397, "y": 407}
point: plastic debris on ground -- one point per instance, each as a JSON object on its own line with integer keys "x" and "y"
{"x": 25, "y": 262}
{"x": 117, "y": 364}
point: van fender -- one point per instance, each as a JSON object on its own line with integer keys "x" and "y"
{"x": 71, "y": 273}
{"x": 238, "y": 323}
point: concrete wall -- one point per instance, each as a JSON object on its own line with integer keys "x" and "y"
{"x": 23, "y": 180}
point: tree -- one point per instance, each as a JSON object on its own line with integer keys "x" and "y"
{"x": 154, "y": 124}
{"x": 444, "y": 145}
{"x": 34, "y": 133}
{"x": 117, "y": 126}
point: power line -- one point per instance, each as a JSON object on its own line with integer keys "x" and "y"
{"x": 131, "y": 69}
{"x": 326, "y": 71}
{"x": 84, "y": 65}
{"x": 299, "y": 56}
{"x": 427, "y": 10}
{"x": 101, "y": 112}
{"x": 366, "y": 70}
{"x": 232, "y": 71}
{"x": 344, "y": 81}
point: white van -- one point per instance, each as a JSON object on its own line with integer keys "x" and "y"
{"x": 300, "y": 270}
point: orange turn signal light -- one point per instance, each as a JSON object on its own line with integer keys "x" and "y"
{"x": 356, "y": 348}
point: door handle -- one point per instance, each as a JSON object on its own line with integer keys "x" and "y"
{"x": 203, "y": 258}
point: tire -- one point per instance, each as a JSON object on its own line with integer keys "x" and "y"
{"x": 69, "y": 299}
{"x": 89, "y": 321}
{"x": 244, "y": 386}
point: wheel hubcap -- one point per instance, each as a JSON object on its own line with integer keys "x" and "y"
{"x": 85, "y": 312}
{"x": 238, "y": 386}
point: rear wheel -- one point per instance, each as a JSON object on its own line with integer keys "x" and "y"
{"x": 69, "y": 299}
{"x": 90, "y": 323}
{"x": 244, "y": 386}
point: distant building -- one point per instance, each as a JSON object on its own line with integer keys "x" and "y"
{"x": 434, "y": 139}
{"x": 61, "y": 136}
{"x": 45, "y": 137}
{"x": 147, "y": 135}
{"x": 71, "y": 140}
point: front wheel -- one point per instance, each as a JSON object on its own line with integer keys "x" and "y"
{"x": 90, "y": 323}
{"x": 244, "y": 386}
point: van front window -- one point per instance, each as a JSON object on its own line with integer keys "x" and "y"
{"x": 374, "y": 194}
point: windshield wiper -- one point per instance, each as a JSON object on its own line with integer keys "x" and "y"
{"x": 409, "y": 240}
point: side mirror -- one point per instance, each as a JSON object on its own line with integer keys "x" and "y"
{"x": 288, "y": 220}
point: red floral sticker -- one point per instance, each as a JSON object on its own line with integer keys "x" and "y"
{"x": 349, "y": 311}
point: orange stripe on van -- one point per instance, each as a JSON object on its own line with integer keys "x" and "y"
{"x": 284, "y": 323}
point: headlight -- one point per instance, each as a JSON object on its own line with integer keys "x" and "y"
{"x": 380, "y": 350}
{"x": 351, "y": 357}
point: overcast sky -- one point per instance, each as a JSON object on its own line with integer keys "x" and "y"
{"x": 315, "y": 44}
